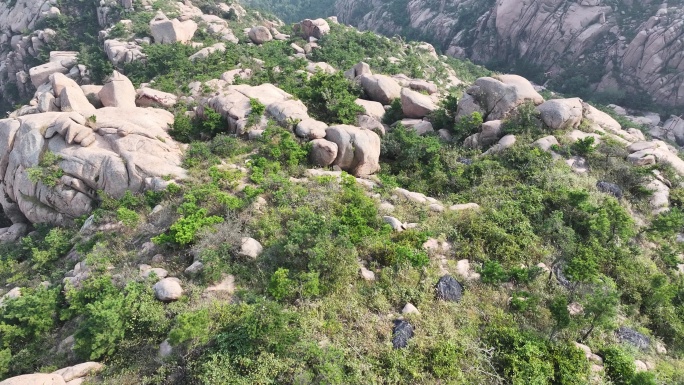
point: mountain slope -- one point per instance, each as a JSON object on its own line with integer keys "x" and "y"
{"x": 622, "y": 50}
{"x": 204, "y": 195}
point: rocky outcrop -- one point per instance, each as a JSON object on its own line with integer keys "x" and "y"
{"x": 358, "y": 151}
{"x": 71, "y": 375}
{"x": 54, "y": 163}
{"x": 260, "y": 35}
{"x": 496, "y": 97}
{"x": 312, "y": 28}
{"x": 168, "y": 31}
{"x": 632, "y": 47}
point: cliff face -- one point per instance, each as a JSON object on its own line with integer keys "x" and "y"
{"x": 610, "y": 46}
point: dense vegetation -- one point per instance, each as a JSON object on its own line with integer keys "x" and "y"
{"x": 300, "y": 313}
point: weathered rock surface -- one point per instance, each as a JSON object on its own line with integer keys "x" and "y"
{"x": 312, "y": 28}
{"x": 496, "y": 97}
{"x": 260, "y": 35}
{"x": 35, "y": 379}
{"x": 561, "y": 114}
{"x": 380, "y": 88}
{"x": 632, "y": 47}
{"x": 167, "y": 31}
{"x": 358, "y": 151}
{"x": 110, "y": 149}
{"x": 323, "y": 152}
{"x": 168, "y": 289}
{"x": 416, "y": 105}
{"x": 118, "y": 91}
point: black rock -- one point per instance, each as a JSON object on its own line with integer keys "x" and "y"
{"x": 449, "y": 289}
{"x": 633, "y": 337}
{"x": 402, "y": 333}
{"x": 560, "y": 277}
{"x": 609, "y": 188}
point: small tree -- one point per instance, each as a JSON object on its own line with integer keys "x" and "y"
{"x": 601, "y": 307}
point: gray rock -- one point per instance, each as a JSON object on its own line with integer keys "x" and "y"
{"x": 449, "y": 289}
{"x": 401, "y": 334}
{"x": 633, "y": 337}
{"x": 609, "y": 188}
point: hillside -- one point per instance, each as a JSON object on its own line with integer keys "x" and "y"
{"x": 615, "y": 51}
{"x": 199, "y": 193}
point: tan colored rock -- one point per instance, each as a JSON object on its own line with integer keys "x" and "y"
{"x": 118, "y": 91}
{"x": 168, "y": 290}
{"x": 561, "y": 114}
{"x": 498, "y": 96}
{"x": 118, "y": 150}
{"x": 79, "y": 371}
{"x": 465, "y": 206}
{"x": 312, "y": 28}
{"x": 366, "y": 274}
{"x": 250, "y": 248}
{"x": 410, "y": 309}
{"x": 167, "y": 31}
{"x": 416, "y": 105}
{"x": 380, "y": 88}
{"x": 358, "y": 151}
{"x": 323, "y": 152}
{"x": 311, "y": 129}
{"x": 260, "y": 35}
{"x": 148, "y": 97}
{"x": 35, "y": 379}
{"x": 373, "y": 109}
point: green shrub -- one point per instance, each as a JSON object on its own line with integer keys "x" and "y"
{"x": 395, "y": 112}
{"x": 280, "y": 286}
{"x": 184, "y": 230}
{"x": 102, "y": 329}
{"x": 29, "y": 317}
{"x": 492, "y": 272}
{"x": 191, "y": 326}
{"x": 583, "y": 147}
{"x": 330, "y": 98}
{"x": 47, "y": 171}
{"x": 619, "y": 365}
{"x": 466, "y": 126}
{"x": 129, "y": 217}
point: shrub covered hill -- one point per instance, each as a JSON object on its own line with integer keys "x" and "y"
{"x": 194, "y": 193}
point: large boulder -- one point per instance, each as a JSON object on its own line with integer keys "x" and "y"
{"x": 165, "y": 31}
{"x": 358, "y": 151}
{"x": 416, "y": 105}
{"x": 168, "y": 289}
{"x": 380, "y": 88}
{"x": 498, "y": 96}
{"x": 118, "y": 91}
{"x": 373, "y": 109}
{"x": 148, "y": 97}
{"x": 311, "y": 129}
{"x": 53, "y": 164}
{"x": 401, "y": 334}
{"x": 70, "y": 95}
{"x": 561, "y": 114}
{"x": 449, "y": 289}
{"x": 312, "y": 28}
{"x": 260, "y": 35}
{"x": 323, "y": 152}
{"x": 35, "y": 379}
